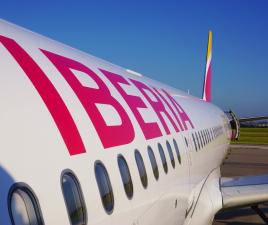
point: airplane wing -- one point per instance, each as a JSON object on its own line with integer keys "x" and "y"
{"x": 244, "y": 191}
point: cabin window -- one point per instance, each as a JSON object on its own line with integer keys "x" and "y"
{"x": 211, "y": 133}
{"x": 141, "y": 169}
{"x": 153, "y": 163}
{"x": 177, "y": 150}
{"x": 73, "y": 198}
{"x": 194, "y": 142}
{"x": 105, "y": 187}
{"x": 171, "y": 156}
{"x": 197, "y": 139}
{"x": 23, "y": 206}
{"x": 163, "y": 157}
{"x": 200, "y": 139}
{"x": 125, "y": 175}
{"x": 204, "y": 137}
{"x": 186, "y": 142}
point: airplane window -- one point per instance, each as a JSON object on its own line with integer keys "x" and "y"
{"x": 141, "y": 168}
{"x": 194, "y": 142}
{"x": 23, "y": 206}
{"x": 204, "y": 136}
{"x": 153, "y": 163}
{"x": 105, "y": 187}
{"x": 197, "y": 140}
{"x": 177, "y": 151}
{"x": 125, "y": 175}
{"x": 73, "y": 199}
{"x": 186, "y": 142}
{"x": 163, "y": 157}
{"x": 200, "y": 139}
{"x": 211, "y": 133}
{"x": 171, "y": 156}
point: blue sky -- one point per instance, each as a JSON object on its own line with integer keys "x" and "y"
{"x": 166, "y": 40}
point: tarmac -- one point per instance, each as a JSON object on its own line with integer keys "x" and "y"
{"x": 244, "y": 160}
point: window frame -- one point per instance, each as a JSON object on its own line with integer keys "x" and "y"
{"x": 145, "y": 185}
{"x": 186, "y": 142}
{"x": 197, "y": 139}
{"x": 132, "y": 187}
{"x": 202, "y": 144}
{"x": 109, "y": 212}
{"x": 195, "y": 144}
{"x": 149, "y": 149}
{"x": 211, "y": 133}
{"x": 205, "y": 135}
{"x": 171, "y": 155}
{"x": 177, "y": 150}
{"x": 161, "y": 149}
{"x": 209, "y": 137}
{"x": 31, "y": 194}
{"x": 80, "y": 192}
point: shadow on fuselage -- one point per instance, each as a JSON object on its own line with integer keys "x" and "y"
{"x": 6, "y": 181}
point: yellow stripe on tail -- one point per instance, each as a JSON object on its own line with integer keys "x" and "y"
{"x": 207, "y": 80}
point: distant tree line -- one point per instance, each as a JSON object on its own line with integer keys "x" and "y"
{"x": 256, "y": 124}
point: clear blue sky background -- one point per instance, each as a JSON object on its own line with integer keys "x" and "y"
{"x": 166, "y": 40}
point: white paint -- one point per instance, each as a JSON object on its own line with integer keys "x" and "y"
{"x": 85, "y": 79}
{"x": 110, "y": 115}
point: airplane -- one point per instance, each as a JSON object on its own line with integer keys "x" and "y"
{"x": 84, "y": 141}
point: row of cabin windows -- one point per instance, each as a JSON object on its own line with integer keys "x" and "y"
{"x": 104, "y": 183}
{"x": 203, "y": 137}
{"x": 24, "y": 207}
{"x": 218, "y": 131}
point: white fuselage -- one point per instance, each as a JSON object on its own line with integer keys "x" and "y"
{"x": 36, "y": 147}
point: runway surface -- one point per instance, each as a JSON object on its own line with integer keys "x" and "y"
{"x": 244, "y": 160}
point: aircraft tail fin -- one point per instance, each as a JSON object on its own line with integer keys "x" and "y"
{"x": 208, "y": 74}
